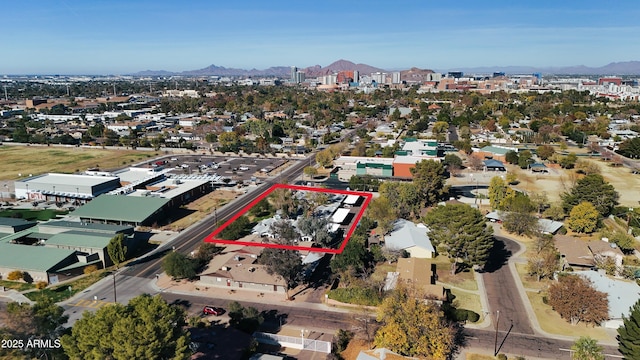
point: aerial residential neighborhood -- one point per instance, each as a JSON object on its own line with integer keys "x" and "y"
{"x": 204, "y": 180}
{"x": 427, "y": 201}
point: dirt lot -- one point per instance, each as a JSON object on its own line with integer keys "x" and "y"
{"x": 34, "y": 160}
{"x": 556, "y": 181}
{"x": 200, "y": 208}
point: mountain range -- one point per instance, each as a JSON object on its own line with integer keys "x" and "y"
{"x": 614, "y": 68}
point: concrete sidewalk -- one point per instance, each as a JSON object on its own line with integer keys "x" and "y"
{"x": 164, "y": 283}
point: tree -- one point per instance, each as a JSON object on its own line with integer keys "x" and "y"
{"x": 146, "y": 328}
{"x": 237, "y": 229}
{"x": 460, "y": 231}
{"x": 403, "y": 197}
{"x": 569, "y": 161}
{"x": 43, "y": 320}
{"x": 179, "y": 266}
{"x": 594, "y": 189}
{"x": 583, "y": 218}
{"x": 629, "y": 334}
{"x": 247, "y": 319}
{"x": 284, "y": 263}
{"x": 310, "y": 171}
{"x": 518, "y": 217}
{"x": 324, "y": 158}
{"x": 452, "y": 160}
{"x": 545, "y": 260}
{"x": 554, "y": 212}
{"x": 575, "y": 299}
{"x": 630, "y": 148}
{"x": 525, "y": 159}
{"x": 15, "y": 275}
{"x": 586, "y": 348}
{"x": 354, "y": 256}
{"x": 428, "y": 177}
{"x": 317, "y": 228}
{"x": 117, "y": 250}
{"x": 511, "y": 157}
{"x": 381, "y": 211}
{"x": 284, "y": 232}
{"x": 412, "y": 327}
{"x": 497, "y": 192}
{"x": 587, "y": 167}
{"x": 544, "y": 152}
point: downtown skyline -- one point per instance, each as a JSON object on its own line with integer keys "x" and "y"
{"x": 121, "y": 37}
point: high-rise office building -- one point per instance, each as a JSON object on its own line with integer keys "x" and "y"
{"x": 395, "y": 78}
{"x": 356, "y": 76}
{"x": 294, "y": 71}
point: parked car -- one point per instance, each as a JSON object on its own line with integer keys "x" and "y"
{"x": 210, "y": 310}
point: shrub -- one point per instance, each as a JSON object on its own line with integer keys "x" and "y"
{"x": 356, "y": 295}
{"x": 41, "y": 285}
{"x": 501, "y": 357}
{"x": 89, "y": 269}
{"x": 15, "y": 275}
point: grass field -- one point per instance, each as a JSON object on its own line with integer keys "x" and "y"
{"x": 40, "y": 215}
{"x": 16, "y": 285}
{"x": 38, "y": 160}
{"x": 59, "y": 293}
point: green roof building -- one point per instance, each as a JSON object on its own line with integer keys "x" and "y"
{"x": 122, "y": 210}
{"x": 39, "y": 262}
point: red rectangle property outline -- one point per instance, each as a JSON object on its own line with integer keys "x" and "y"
{"x": 367, "y": 198}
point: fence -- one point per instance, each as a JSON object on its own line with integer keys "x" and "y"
{"x": 294, "y": 342}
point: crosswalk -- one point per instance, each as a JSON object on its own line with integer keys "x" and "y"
{"x": 96, "y": 304}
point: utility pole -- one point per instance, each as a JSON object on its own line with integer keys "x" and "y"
{"x": 5, "y": 93}
{"x": 115, "y": 298}
{"x": 114, "y": 89}
{"x": 495, "y": 344}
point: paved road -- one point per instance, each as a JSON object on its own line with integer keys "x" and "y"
{"x": 502, "y": 292}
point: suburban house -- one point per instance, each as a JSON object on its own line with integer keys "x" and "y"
{"x": 574, "y": 253}
{"x": 545, "y": 226}
{"x": 622, "y": 295}
{"x": 420, "y": 273}
{"x": 238, "y": 269}
{"x": 410, "y": 237}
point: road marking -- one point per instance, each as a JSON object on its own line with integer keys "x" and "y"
{"x": 91, "y": 303}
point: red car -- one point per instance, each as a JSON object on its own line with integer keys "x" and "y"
{"x": 210, "y": 310}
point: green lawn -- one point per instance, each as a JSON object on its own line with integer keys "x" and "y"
{"x": 464, "y": 279}
{"x": 20, "y": 286}
{"x": 469, "y": 301}
{"x": 61, "y": 292}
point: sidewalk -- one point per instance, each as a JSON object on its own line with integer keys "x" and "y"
{"x": 164, "y": 284}
{"x": 14, "y": 296}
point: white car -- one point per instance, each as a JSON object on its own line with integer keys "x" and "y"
{"x": 174, "y": 159}
{"x": 243, "y": 168}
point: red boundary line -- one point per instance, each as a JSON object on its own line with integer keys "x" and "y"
{"x": 367, "y": 198}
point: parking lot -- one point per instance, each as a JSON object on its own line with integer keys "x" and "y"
{"x": 237, "y": 168}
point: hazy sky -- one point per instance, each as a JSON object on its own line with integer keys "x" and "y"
{"x": 116, "y": 36}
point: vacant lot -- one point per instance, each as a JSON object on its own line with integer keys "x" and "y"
{"x": 557, "y": 181}
{"x": 202, "y": 207}
{"x": 34, "y": 160}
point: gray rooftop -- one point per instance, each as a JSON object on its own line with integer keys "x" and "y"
{"x": 406, "y": 234}
{"x": 69, "y": 179}
{"x": 88, "y": 227}
{"x": 4, "y": 221}
{"x": 621, "y": 294}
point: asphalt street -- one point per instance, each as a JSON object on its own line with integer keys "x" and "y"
{"x": 505, "y": 302}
